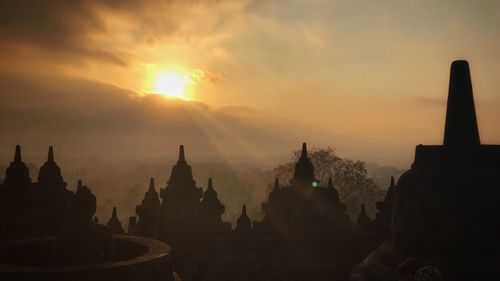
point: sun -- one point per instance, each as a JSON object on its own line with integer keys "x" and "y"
{"x": 172, "y": 84}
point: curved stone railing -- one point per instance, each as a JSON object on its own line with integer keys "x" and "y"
{"x": 137, "y": 259}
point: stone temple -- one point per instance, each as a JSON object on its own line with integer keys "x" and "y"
{"x": 446, "y": 210}
{"x": 443, "y": 214}
{"x": 47, "y": 233}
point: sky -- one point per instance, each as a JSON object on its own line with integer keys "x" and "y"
{"x": 240, "y": 79}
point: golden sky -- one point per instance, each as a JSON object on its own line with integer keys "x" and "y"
{"x": 255, "y": 78}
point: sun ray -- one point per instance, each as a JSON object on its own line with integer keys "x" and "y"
{"x": 216, "y": 131}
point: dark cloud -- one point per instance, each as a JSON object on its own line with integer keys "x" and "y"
{"x": 59, "y": 27}
{"x": 67, "y": 28}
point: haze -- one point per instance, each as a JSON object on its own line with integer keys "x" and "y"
{"x": 235, "y": 81}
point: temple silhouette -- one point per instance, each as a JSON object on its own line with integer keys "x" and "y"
{"x": 305, "y": 233}
{"x": 441, "y": 219}
{"x": 30, "y": 209}
{"x": 50, "y": 233}
{"x": 446, "y": 209}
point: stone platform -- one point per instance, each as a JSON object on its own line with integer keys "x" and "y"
{"x": 137, "y": 259}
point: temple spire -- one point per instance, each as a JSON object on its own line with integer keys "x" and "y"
{"x": 50, "y": 157}
{"x": 304, "y": 151}
{"x": 114, "y": 215}
{"x": 244, "y": 211}
{"x": 243, "y": 224}
{"x": 152, "y": 184}
{"x": 17, "y": 154}
{"x": 461, "y": 123}
{"x": 181, "y": 154}
{"x": 50, "y": 173}
{"x": 17, "y": 174}
{"x": 304, "y": 169}
{"x": 363, "y": 221}
{"x": 210, "y": 185}
{"x": 114, "y": 223}
{"x": 79, "y": 184}
{"x": 210, "y": 193}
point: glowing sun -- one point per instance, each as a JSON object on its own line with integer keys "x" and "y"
{"x": 172, "y": 84}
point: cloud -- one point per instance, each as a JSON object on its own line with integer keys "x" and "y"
{"x": 84, "y": 118}
{"x": 83, "y": 29}
{"x": 59, "y": 27}
{"x": 199, "y": 75}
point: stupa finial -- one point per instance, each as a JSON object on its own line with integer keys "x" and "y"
{"x": 50, "y": 157}
{"x": 17, "y": 154}
{"x": 461, "y": 123}
{"x": 181, "y": 154}
{"x": 304, "y": 150}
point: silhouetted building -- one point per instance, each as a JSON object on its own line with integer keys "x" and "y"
{"x": 332, "y": 196}
{"x": 312, "y": 233}
{"x": 82, "y": 241}
{"x": 190, "y": 221}
{"x": 148, "y": 213}
{"x": 370, "y": 232}
{"x": 305, "y": 231}
{"x": 211, "y": 209}
{"x": 446, "y": 209}
{"x": 384, "y": 210}
{"x": 80, "y": 246}
{"x": 243, "y": 224}
{"x": 50, "y": 174}
{"x": 363, "y": 223}
{"x": 51, "y": 198}
{"x": 180, "y": 203}
{"x": 444, "y": 213}
{"x": 32, "y": 209}
{"x": 17, "y": 216}
{"x": 304, "y": 207}
{"x": 17, "y": 174}
{"x": 114, "y": 223}
{"x": 132, "y": 225}
{"x": 303, "y": 175}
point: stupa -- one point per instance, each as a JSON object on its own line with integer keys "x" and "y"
{"x": 446, "y": 210}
